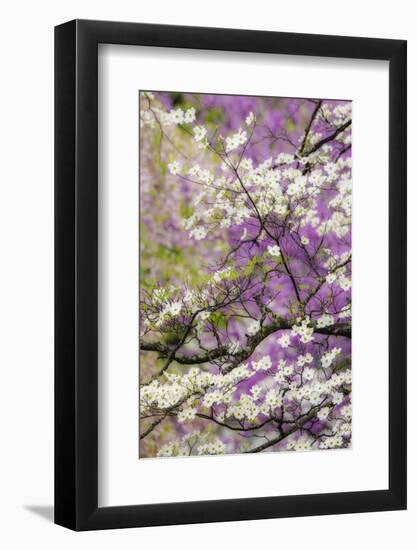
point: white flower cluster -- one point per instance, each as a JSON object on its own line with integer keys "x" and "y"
{"x": 313, "y": 388}
{"x": 259, "y": 401}
{"x": 199, "y": 233}
{"x": 200, "y": 136}
{"x": 181, "y": 390}
{"x": 336, "y": 114}
{"x": 274, "y": 250}
{"x": 328, "y": 358}
{"x": 263, "y": 364}
{"x": 236, "y": 140}
{"x": 284, "y": 158}
{"x": 216, "y": 390}
{"x": 338, "y": 273}
{"x": 204, "y": 176}
{"x": 149, "y": 117}
{"x": 253, "y": 328}
{"x": 169, "y": 310}
{"x": 323, "y": 413}
{"x": 245, "y": 408}
{"x": 221, "y": 274}
{"x": 274, "y": 186}
{"x": 343, "y": 200}
{"x": 300, "y": 444}
{"x": 284, "y": 340}
{"x": 273, "y": 399}
{"x": 194, "y": 443}
{"x": 174, "y": 167}
{"x": 331, "y": 442}
{"x": 304, "y": 331}
{"x": 273, "y": 190}
{"x": 340, "y": 220}
{"x": 345, "y": 312}
{"x": 325, "y": 320}
{"x": 250, "y": 119}
{"x": 188, "y": 413}
{"x": 215, "y": 447}
{"x": 303, "y": 360}
{"x": 222, "y": 210}
{"x": 338, "y": 223}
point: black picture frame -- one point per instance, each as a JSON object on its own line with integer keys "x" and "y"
{"x": 76, "y": 272}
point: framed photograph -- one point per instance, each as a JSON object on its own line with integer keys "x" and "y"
{"x": 230, "y": 252}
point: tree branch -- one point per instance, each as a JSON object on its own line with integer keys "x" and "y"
{"x": 338, "y": 329}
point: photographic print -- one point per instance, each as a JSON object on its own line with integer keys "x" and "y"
{"x": 245, "y": 274}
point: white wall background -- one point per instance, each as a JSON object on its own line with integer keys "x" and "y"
{"x": 26, "y": 272}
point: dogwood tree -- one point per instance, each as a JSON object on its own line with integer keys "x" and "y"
{"x": 245, "y": 294}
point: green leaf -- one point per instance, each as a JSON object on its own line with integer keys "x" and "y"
{"x": 289, "y": 125}
{"x": 218, "y": 319}
{"x": 186, "y": 211}
{"x": 252, "y": 263}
